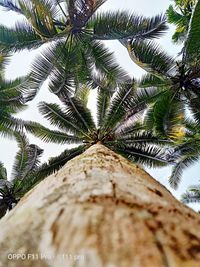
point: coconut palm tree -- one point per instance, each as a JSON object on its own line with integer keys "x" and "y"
{"x": 24, "y": 174}
{"x": 123, "y": 135}
{"x": 180, "y": 14}
{"x": 177, "y": 84}
{"x": 104, "y": 211}
{"x": 74, "y": 31}
{"x": 192, "y": 195}
{"x": 11, "y": 100}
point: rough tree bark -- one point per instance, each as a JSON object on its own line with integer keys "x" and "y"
{"x": 100, "y": 210}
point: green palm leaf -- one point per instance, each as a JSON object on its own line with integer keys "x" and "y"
{"x": 103, "y": 100}
{"x": 118, "y": 105}
{"x": 185, "y": 155}
{"x": 150, "y": 155}
{"x": 148, "y": 80}
{"x": 165, "y": 117}
{"x": 21, "y": 157}
{"x": 19, "y": 37}
{"x": 48, "y": 135}
{"x": 122, "y": 25}
{"x": 150, "y": 57}
{"x": 192, "y": 45}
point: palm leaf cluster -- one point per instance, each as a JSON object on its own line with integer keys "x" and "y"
{"x": 74, "y": 31}
{"x": 25, "y": 174}
{"x": 180, "y": 14}
{"x": 187, "y": 152}
{"x": 118, "y": 126}
{"x": 11, "y": 100}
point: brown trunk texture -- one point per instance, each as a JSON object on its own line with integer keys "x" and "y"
{"x": 100, "y": 210}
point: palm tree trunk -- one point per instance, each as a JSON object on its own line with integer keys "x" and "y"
{"x": 100, "y": 210}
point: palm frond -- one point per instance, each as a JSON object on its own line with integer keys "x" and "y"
{"x": 62, "y": 68}
{"x": 34, "y": 154}
{"x": 15, "y": 90}
{"x": 80, "y": 113}
{"x": 194, "y": 108}
{"x": 150, "y": 57}
{"x": 140, "y": 101}
{"x": 21, "y": 157}
{"x": 165, "y": 117}
{"x": 103, "y": 100}
{"x": 192, "y": 44}
{"x": 104, "y": 62}
{"x": 11, "y": 123}
{"x": 151, "y": 155}
{"x": 43, "y": 65}
{"x": 4, "y": 60}
{"x": 144, "y": 137}
{"x": 82, "y": 93}
{"x": 123, "y": 25}
{"x": 118, "y": 106}
{"x": 186, "y": 154}
{"x": 61, "y": 119}
{"x": 53, "y": 136}
{"x": 173, "y": 16}
{"x": 46, "y": 169}
{"x": 148, "y": 80}
{"x": 19, "y": 37}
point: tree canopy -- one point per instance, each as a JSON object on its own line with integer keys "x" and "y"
{"x": 153, "y": 121}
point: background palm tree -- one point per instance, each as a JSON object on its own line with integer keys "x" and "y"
{"x": 177, "y": 84}
{"x": 11, "y": 100}
{"x": 180, "y": 14}
{"x": 75, "y": 31}
{"x": 192, "y": 195}
{"x": 24, "y": 174}
{"x": 119, "y": 126}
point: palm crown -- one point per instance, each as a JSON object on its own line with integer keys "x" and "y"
{"x": 118, "y": 126}
{"x": 75, "y": 31}
{"x": 177, "y": 82}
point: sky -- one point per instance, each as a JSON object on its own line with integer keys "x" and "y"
{"x": 21, "y": 63}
